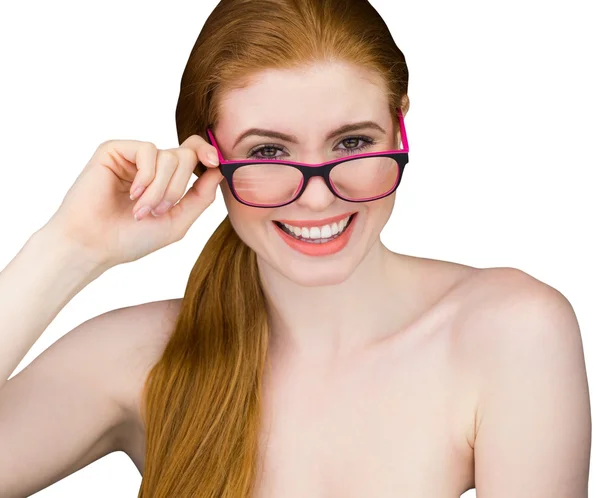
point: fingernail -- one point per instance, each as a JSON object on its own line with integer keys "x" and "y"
{"x": 141, "y": 212}
{"x": 136, "y": 193}
{"x": 213, "y": 159}
{"x": 162, "y": 208}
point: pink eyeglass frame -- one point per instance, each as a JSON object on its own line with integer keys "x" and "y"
{"x": 309, "y": 170}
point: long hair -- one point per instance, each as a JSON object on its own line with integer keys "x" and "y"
{"x": 202, "y": 399}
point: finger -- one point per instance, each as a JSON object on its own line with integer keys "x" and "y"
{"x": 206, "y": 154}
{"x": 166, "y": 165}
{"x": 145, "y": 161}
{"x": 176, "y": 188}
{"x": 201, "y": 194}
{"x": 131, "y": 152}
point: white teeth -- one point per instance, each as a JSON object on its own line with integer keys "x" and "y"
{"x": 323, "y": 232}
{"x": 316, "y": 233}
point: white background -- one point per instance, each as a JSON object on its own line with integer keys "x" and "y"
{"x": 503, "y": 131}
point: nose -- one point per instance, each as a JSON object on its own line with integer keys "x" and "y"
{"x": 316, "y": 196}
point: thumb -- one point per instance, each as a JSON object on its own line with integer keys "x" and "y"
{"x": 200, "y": 195}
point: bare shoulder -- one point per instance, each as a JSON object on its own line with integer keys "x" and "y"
{"x": 151, "y": 327}
{"x": 508, "y": 318}
{"x": 140, "y": 348}
{"x": 504, "y": 307}
{"x": 494, "y": 300}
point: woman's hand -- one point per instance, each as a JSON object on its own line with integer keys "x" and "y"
{"x": 98, "y": 214}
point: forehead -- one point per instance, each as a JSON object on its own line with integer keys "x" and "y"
{"x": 307, "y": 101}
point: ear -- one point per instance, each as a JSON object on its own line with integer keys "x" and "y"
{"x": 404, "y": 104}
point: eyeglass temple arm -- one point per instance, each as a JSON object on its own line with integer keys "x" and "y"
{"x": 402, "y": 130}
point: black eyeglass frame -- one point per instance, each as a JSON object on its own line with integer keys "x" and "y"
{"x": 308, "y": 171}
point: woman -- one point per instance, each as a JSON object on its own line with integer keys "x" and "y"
{"x": 322, "y": 367}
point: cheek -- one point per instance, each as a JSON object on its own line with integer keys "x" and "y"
{"x": 247, "y": 221}
{"x": 381, "y": 210}
{"x": 248, "y": 226}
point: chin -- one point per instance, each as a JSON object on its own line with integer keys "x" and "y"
{"x": 314, "y": 274}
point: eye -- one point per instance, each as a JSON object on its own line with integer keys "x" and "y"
{"x": 266, "y": 152}
{"x": 352, "y": 148}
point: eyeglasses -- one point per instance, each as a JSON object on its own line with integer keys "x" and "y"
{"x": 270, "y": 183}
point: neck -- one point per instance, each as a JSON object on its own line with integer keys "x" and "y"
{"x": 331, "y": 321}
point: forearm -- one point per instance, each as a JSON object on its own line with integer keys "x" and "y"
{"x": 43, "y": 277}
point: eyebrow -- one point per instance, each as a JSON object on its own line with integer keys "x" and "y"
{"x": 363, "y": 125}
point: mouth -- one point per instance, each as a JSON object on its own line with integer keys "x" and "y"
{"x": 316, "y": 235}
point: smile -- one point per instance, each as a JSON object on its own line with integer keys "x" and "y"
{"x": 317, "y": 235}
{"x": 317, "y": 241}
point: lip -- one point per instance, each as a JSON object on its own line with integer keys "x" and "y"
{"x": 318, "y": 250}
{"x": 316, "y": 223}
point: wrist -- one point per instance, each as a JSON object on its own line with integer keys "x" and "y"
{"x": 66, "y": 253}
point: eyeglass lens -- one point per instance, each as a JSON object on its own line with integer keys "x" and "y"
{"x": 355, "y": 180}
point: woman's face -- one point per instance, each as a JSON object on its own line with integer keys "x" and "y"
{"x": 307, "y": 104}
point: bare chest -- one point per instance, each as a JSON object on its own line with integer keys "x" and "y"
{"x": 393, "y": 424}
{"x": 396, "y": 422}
